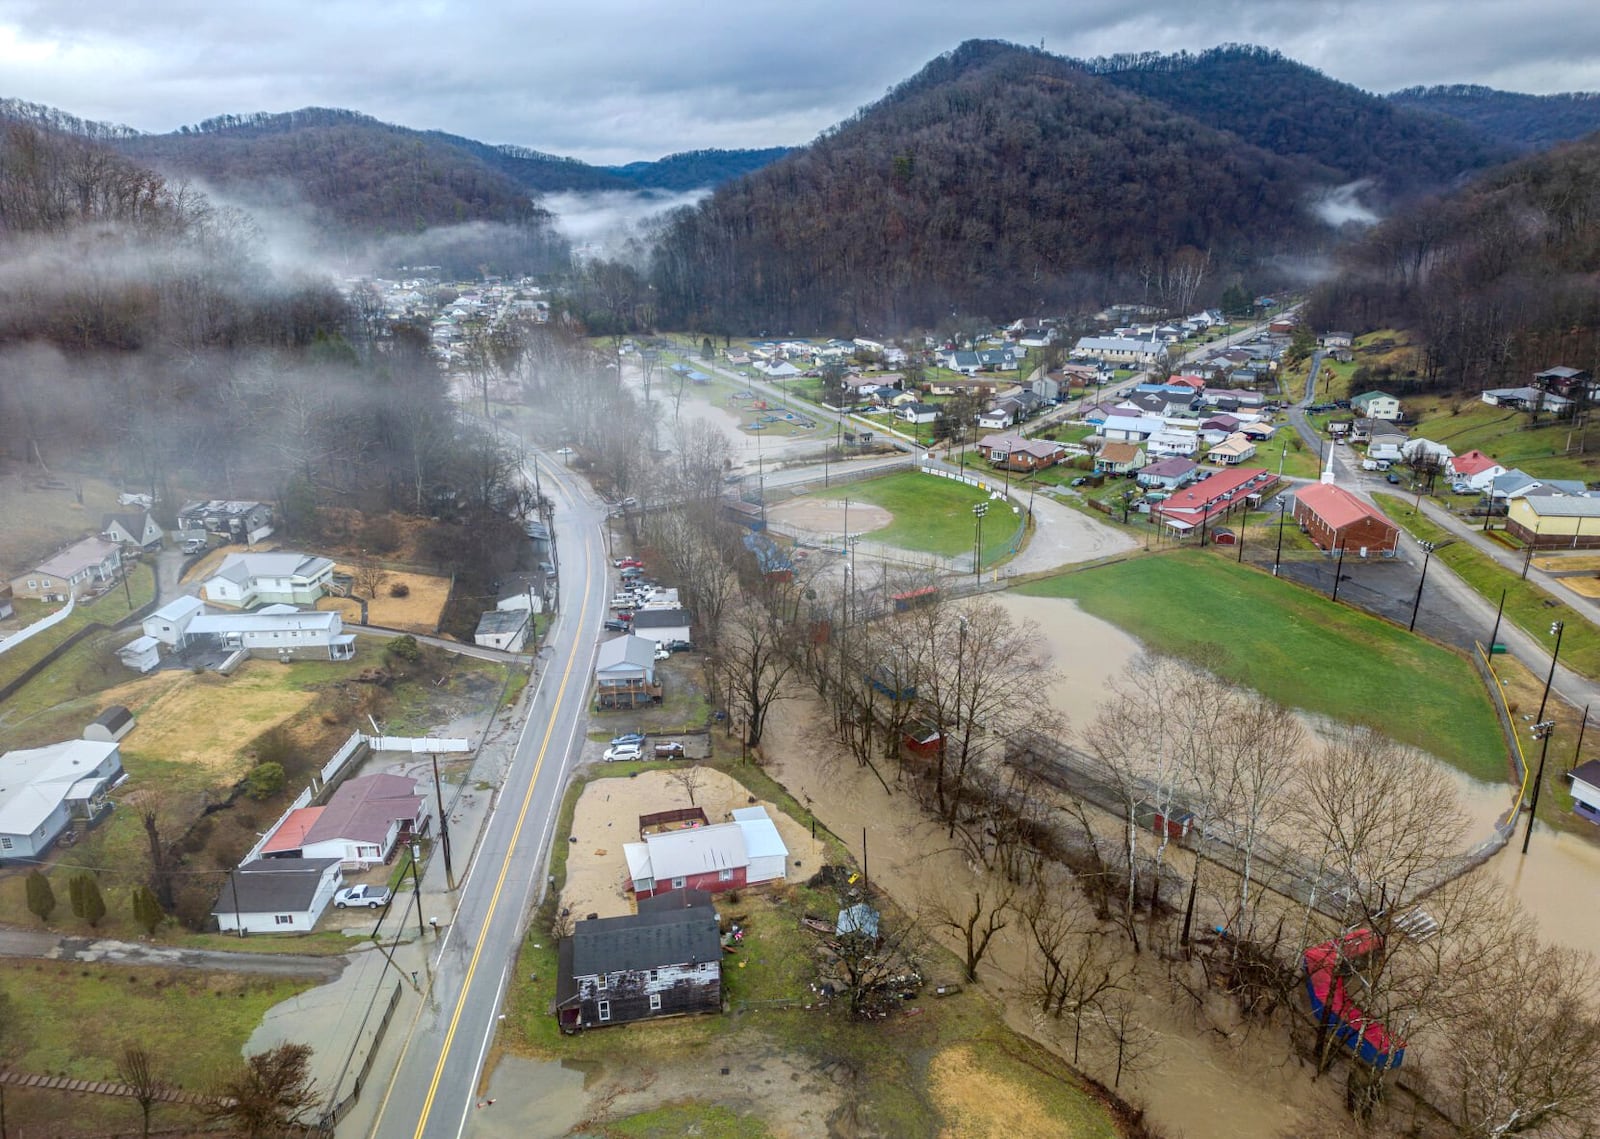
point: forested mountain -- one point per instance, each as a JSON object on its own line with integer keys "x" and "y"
{"x": 52, "y": 118}
{"x": 1497, "y": 280}
{"x": 1000, "y": 180}
{"x": 357, "y": 172}
{"x": 1298, "y": 112}
{"x": 1526, "y": 122}
{"x": 535, "y": 170}
{"x": 696, "y": 168}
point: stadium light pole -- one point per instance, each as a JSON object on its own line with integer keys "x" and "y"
{"x": 979, "y": 509}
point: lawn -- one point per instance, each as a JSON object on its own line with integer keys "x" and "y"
{"x": 1299, "y": 461}
{"x": 74, "y": 1018}
{"x": 106, "y": 610}
{"x": 1298, "y": 648}
{"x": 1528, "y": 606}
{"x": 931, "y": 515}
{"x": 1504, "y": 434}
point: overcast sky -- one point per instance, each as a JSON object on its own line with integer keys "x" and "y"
{"x": 614, "y": 80}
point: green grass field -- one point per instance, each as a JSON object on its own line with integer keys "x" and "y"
{"x": 1526, "y": 603}
{"x": 1504, "y": 434}
{"x": 932, "y": 515}
{"x": 1299, "y": 648}
{"x": 73, "y": 1018}
{"x": 106, "y": 610}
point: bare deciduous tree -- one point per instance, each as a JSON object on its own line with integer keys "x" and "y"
{"x": 689, "y": 778}
{"x": 137, "y": 1070}
{"x": 975, "y": 913}
{"x": 270, "y": 1090}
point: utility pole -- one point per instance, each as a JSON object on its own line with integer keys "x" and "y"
{"x": 1497, "y": 615}
{"x": 1338, "y": 574}
{"x": 1556, "y": 629}
{"x": 233, "y": 884}
{"x": 1541, "y": 731}
{"x": 1416, "y": 603}
{"x": 1583, "y": 725}
{"x": 416, "y": 890}
{"x": 1277, "y": 558}
{"x": 444, "y": 825}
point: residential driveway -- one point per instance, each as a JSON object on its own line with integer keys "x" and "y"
{"x": 53, "y": 947}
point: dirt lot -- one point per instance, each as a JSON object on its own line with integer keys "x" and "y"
{"x": 828, "y": 516}
{"x": 419, "y": 612}
{"x": 608, "y": 816}
{"x": 36, "y": 519}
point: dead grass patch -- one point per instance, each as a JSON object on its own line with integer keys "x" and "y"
{"x": 207, "y": 720}
{"x": 980, "y": 1104}
{"x": 419, "y": 612}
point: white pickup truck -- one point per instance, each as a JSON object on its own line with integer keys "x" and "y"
{"x": 1374, "y": 464}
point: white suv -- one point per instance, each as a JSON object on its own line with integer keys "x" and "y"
{"x": 624, "y": 752}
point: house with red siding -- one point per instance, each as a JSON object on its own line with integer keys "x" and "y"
{"x": 745, "y": 851}
{"x": 1211, "y": 498}
{"x": 1335, "y": 519}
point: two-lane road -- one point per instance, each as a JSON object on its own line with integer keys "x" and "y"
{"x": 433, "y": 1087}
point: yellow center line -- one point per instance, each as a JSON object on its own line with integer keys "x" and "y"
{"x": 505, "y": 869}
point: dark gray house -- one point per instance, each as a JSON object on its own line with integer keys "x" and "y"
{"x": 665, "y": 960}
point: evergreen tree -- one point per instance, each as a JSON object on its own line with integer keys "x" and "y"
{"x": 83, "y": 893}
{"x": 147, "y": 910}
{"x": 41, "y": 898}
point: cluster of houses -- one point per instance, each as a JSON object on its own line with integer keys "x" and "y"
{"x": 666, "y": 958}
{"x": 253, "y": 605}
{"x": 299, "y": 865}
{"x": 1178, "y": 419}
{"x": 470, "y": 305}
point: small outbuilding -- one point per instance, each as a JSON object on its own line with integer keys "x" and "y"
{"x": 505, "y": 629}
{"x": 110, "y": 726}
{"x": 1586, "y": 790}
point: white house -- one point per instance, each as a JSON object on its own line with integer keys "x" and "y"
{"x": 1122, "y": 350}
{"x": 170, "y": 624}
{"x": 42, "y": 789}
{"x": 1387, "y": 445}
{"x": 502, "y": 629}
{"x": 917, "y": 412}
{"x": 625, "y": 671}
{"x": 280, "y": 632}
{"x": 135, "y": 529}
{"x": 1130, "y": 428}
{"x": 238, "y": 521}
{"x": 363, "y": 822}
{"x": 1586, "y": 790}
{"x": 277, "y": 895}
{"x": 1475, "y": 469}
{"x": 1235, "y": 449}
{"x": 1376, "y": 405}
{"x": 1170, "y": 442}
{"x": 244, "y": 580}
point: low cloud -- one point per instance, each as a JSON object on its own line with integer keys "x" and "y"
{"x": 1342, "y": 206}
{"x": 610, "y": 219}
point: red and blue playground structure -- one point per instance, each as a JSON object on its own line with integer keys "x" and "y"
{"x": 1332, "y": 1004}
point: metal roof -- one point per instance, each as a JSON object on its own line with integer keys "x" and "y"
{"x": 651, "y": 939}
{"x": 273, "y": 885}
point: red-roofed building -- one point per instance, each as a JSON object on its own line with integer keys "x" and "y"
{"x": 1198, "y": 383}
{"x": 366, "y": 818}
{"x": 1336, "y": 519}
{"x": 1475, "y": 469}
{"x": 1211, "y": 498}
{"x": 290, "y": 835}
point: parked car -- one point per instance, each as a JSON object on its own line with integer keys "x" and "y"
{"x": 624, "y": 752}
{"x": 632, "y": 572}
{"x": 1079, "y": 481}
{"x": 615, "y": 626}
{"x": 623, "y": 603}
{"x": 628, "y": 563}
{"x": 628, "y": 738}
{"x": 679, "y": 646}
{"x": 370, "y": 896}
{"x": 672, "y": 750}
{"x": 1393, "y": 478}
{"x": 625, "y": 616}
{"x": 662, "y": 652}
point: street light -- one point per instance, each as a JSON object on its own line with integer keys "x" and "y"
{"x": 1541, "y": 731}
{"x": 979, "y": 509}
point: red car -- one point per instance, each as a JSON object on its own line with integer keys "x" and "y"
{"x": 625, "y": 616}
{"x": 629, "y": 563}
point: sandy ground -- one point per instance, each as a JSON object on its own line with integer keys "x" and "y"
{"x": 1561, "y": 563}
{"x": 183, "y": 723}
{"x": 986, "y": 1105}
{"x": 1583, "y": 586}
{"x": 825, "y": 516}
{"x": 608, "y": 816}
{"x": 417, "y": 613}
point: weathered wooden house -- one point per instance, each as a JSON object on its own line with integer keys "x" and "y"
{"x": 665, "y": 960}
